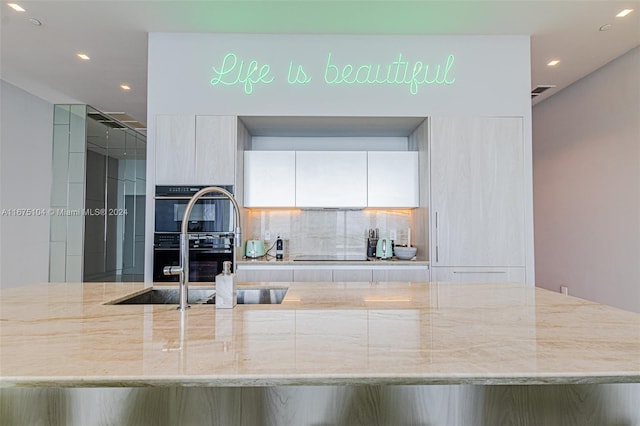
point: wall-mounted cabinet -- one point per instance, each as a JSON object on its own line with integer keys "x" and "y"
{"x": 215, "y": 150}
{"x": 270, "y": 178}
{"x": 195, "y": 150}
{"x": 175, "y": 149}
{"x": 331, "y": 179}
{"x": 392, "y": 179}
{"x": 341, "y": 162}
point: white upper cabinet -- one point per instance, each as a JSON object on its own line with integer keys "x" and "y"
{"x": 331, "y": 179}
{"x": 393, "y": 179}
{"x": 175, "y": 149}
{"x": 194, "y": 150}
{"x": 477, "y": 192}
{"x": 215, "y": 150}
{"x": 269, "y": 178}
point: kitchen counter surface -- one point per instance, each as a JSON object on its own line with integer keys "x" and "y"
{"x": 322, "y": 334}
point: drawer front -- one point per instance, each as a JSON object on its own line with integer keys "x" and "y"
{"x": 311, "y": 275}
{"x": 264, "y": 275}
{"x": 352, "y": 275}
{"x": 397, "y": 274}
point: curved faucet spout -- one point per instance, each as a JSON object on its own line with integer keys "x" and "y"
{"x": 183, "y": 268}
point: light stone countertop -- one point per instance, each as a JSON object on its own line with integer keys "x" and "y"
{"x": 323, "y": 333}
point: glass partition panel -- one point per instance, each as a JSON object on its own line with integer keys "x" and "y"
{"x": 99, "y": 176}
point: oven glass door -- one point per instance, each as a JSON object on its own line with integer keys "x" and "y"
{"x": 204, "y": 264}
{"x": 206, "y": 215}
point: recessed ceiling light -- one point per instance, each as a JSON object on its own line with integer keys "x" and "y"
{"x": 15, "y": 7}
{"x": 125, "y": 87}
{"x": 605, "y": 27}
{"x": 35, "y": 21}
{"x": 83, "y": 56}
{"x": 553, "y": 63}
{"x": 624, "y": 13}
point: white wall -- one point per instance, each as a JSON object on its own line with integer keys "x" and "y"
{"x": 26, "y": 124}
{"x": 490, "y": 76}
{"x": 586, "y": 159}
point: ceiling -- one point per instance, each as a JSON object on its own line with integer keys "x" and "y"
{"x": 41, "y": 59}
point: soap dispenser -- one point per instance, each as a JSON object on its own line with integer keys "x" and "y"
{"x": 226, "y": 295}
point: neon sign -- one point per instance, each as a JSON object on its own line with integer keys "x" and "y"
{"x": 396, "y": 72}
{"x": 234, "y": 72}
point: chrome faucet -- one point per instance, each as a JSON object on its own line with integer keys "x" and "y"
{"x": 183, "y": 268}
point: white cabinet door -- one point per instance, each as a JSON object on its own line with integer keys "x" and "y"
{"x": 400, "y": 274}
{"x": 264, "y": 275}
{"x": 393, "y": 179}
{"x": 269, "y": 179}
{"x": 331, "y": 178}
{"x": 175, "y": 149}
{"x": 215, "y": 150}
{"x": 478, "y": 275}
{"x": 477, "y": 192}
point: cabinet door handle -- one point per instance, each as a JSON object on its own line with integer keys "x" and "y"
{"x": 437, "y": 239}
{"x": 479, "y": 272}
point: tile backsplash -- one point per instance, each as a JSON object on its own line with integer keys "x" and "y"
{"x": 331, "y": 232}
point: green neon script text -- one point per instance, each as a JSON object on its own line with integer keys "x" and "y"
{"x": 233, "y": 72}
{"x": 397, "y": 72}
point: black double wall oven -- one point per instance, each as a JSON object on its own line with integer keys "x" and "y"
{"x": 210, "y": 232}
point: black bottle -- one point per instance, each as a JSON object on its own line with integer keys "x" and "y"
{"x": 279, "y": 248}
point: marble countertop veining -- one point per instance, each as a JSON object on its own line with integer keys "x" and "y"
{"x": 325, "y": 333}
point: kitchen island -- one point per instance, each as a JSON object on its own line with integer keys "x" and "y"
{"x": 351, "y": 350}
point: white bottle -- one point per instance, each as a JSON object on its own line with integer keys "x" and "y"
{"x": 226, "y": 294}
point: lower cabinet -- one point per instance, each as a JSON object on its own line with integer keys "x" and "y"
{"x": 310, "y": 275}
{"x": 264, "y": 274}
{"x": 401, "y": 274}
{"x": 478, "y": 274}
{"x": 352, "y": 275}
{"x": 280, "y": 273}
